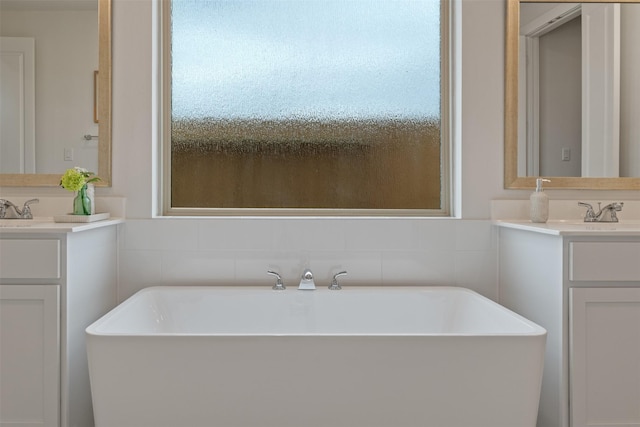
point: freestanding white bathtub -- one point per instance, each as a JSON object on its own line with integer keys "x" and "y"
{"x": 358, "y": 357}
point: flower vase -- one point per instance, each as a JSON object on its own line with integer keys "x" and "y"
{"x": 81, "y": 203}
{"x": 91, "y": 194}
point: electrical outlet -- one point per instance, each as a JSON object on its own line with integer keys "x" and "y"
{"x": 68, "y": 154}
{"x": 566, "y": 154}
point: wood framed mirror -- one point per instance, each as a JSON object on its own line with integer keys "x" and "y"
{"x": 613, "y": 103}
{"x": 71, "y": 104}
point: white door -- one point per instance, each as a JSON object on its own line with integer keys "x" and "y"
{"x": 29, "y": 356}
{"x": 604, "y": 366}
{"x": 17, "y": 105}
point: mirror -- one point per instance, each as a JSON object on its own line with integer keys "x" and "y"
{"x": 604, "y": 102}
{"x": 64, "y": 113}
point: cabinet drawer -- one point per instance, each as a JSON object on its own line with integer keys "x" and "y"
{"x": 604, "y": 261}
{"x": 30, "y": 259}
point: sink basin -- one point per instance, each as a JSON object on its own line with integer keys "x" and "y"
{"x": 45, "y": 224}
{"x": 595, "y": 226}
{"x": 17, "y": 222}
{"x": 564, "y": 227}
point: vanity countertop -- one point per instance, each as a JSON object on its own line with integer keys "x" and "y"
{"x": 47, "y": 225}
{"x": 576, "y": 228}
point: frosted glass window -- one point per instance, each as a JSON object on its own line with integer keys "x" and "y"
{"x": 320, "y": 104}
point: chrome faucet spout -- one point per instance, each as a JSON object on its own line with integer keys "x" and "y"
{"x": 306, "y": 281}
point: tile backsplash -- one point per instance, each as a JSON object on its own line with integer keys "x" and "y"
{"x": 375, "y": 251}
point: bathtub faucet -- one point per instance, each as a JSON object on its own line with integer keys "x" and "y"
{"x": 279, "y": 286}
{"x": 306, "y": 281}
{"x": 335, "y": 286}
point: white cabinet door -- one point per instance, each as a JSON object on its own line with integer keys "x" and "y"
{"x": 29, "y": 355}
{"x": 604, "y": 365}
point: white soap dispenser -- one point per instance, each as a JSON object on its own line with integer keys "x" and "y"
{"x": 539, "y": 203}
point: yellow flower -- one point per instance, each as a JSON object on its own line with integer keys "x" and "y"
{"x": 76, "y": 178}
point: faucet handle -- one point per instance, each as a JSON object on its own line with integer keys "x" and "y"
{"x": 335, "y": 286}
{"x": 589, "y": 215}
{"x": 26, "y": 209}
{"x": 279, "y": 286}
{"x": 3, "y": 208}
{"x": 612, "y": 209}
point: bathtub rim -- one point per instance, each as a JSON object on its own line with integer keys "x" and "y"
{"x": 535, "y": 329}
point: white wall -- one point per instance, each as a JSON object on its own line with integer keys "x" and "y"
{"x": 66, "y": 45}
{"x": 458, "y": 252}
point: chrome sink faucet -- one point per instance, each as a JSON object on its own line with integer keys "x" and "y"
{"x": 605, "y": 214}
{"x": 24, "y": 213}
{"x": 306, "y": 281}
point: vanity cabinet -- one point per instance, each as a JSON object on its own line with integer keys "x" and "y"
{"x": 583, "y": 286}
{"x": 54, "y": 282}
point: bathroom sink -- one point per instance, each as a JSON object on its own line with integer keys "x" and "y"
{"x": 10, "y": 223}
{"x": 565, "y": 227}
{"x": 46, "y": 224}
{"x": 37, "y": 222}
{"x": 595, "y": 226}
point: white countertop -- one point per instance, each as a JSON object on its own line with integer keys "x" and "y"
{"x": 47, "y": 225}
{"x": 576, "y": 228}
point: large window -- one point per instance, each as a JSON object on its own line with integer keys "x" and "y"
{"x": 305, "y": 104}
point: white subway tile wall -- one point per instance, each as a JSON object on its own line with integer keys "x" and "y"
{"x": 374, "y": 251}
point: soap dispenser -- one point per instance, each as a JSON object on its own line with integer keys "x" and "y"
{"x": 539, "y": 203}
